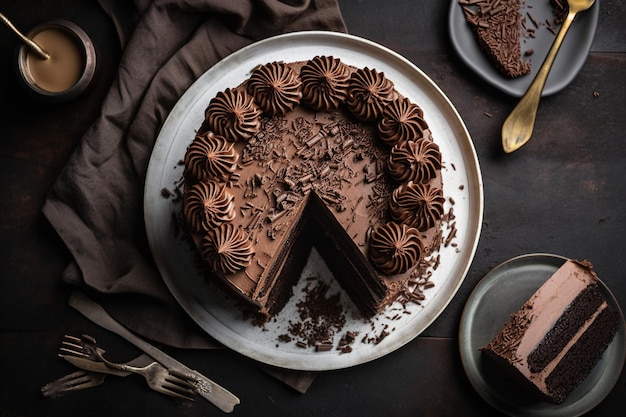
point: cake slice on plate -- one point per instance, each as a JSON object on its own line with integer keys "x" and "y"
{"x": 497, "y": 26}
{"x": 557, "y": 337}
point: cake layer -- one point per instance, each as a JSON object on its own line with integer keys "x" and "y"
{"x": 582, "y": 356}
{"x": 582, "y": 309}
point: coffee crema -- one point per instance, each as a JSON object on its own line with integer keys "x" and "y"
{"x": 65, "y": 66}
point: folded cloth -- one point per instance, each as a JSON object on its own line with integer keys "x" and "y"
{"x": 96, "y": 204}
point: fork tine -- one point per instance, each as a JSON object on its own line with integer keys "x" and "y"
{"x": 72, "y": 382}
{"x": 77, "y": 346}
{"x": 182, "y": 386}
{"x": 73, "y": 350}
{"x": 174, "y": 391}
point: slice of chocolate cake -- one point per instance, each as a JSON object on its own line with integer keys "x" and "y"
{"x": 497, "y": 26}
{"x": 557, "y": 337}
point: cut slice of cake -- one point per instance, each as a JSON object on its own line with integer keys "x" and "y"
{"x": 497, "y": 26}
{"x": 558, "y": 336}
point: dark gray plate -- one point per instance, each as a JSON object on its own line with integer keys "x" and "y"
{"x": 568, "y": 62}
{"x": 502, "y": 292}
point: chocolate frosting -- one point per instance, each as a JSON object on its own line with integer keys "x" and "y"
{"x": 207, "y": 205}
{"x": 210, "y": 157}
{"x": 325, "y": 81}
{"x": 233, "y": 114}
{"x": 368, "y": 93}
{"x": 401, "y": 121}
{"x": 417, "y": 161}
{"x": 227, "y": 249}
{"x": 275, "y": 88}
{"x": 394, "y": 248}
{"x": 417, "y": 205}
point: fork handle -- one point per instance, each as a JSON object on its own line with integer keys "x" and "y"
{"x": 206, "y": 388}
{"x": 518, "y": 126}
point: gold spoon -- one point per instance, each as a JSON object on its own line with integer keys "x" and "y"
{"x": 31, "y": 44}
{"x": 518, "y": 127}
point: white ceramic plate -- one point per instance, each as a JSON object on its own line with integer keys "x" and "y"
{"x": 500, "y": 293}
{"x": 216, "y": 314}
{"x": 568, "y": 62}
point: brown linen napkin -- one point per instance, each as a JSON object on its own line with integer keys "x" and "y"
{"x": 96, "y": 204}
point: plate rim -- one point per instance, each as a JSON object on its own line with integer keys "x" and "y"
{"x": 468, "y": 356}
{"x": 496, "y": 80}
{"x": 469, "y": 152}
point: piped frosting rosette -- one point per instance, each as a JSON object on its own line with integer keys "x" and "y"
{"x": 210, "y": 157}
{"x": 233, "y": 114}
{"x": 227, "y": 249}
{"x": 414, "y": 161}
{"x": 208, "y": 205}
{"x": 395, "y": 248}
{"x": 325, "y": 82}
{"x": 417, "y": 205}
{"x": 275, "y": 88}
{"x": 401, "y": 121}
{"x": 369, "y": 92}
{"x": 417, "y": 161}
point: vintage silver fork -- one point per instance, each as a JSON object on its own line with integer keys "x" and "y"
{"x": 158, "y": 377}
{"x": 73, "y": 382}
{"x": 86, "y": 379}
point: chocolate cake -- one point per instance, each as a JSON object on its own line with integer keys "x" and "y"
{"x": 497, "y": 27}
{"x": 314, "y": 153}
{"x": 557, "y": 337}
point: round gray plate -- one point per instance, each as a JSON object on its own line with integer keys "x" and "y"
{"x": 502, "y": 292}
{"x": 220, "y": 317}
{"x": 568, "y": 62}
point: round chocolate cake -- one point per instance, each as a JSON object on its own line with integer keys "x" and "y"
{"x": 315, "y": 153}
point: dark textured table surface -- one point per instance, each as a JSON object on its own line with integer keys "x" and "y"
{"x": 563, "y": 193}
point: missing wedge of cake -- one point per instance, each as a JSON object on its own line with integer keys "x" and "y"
{"x": 557, "y": 337}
